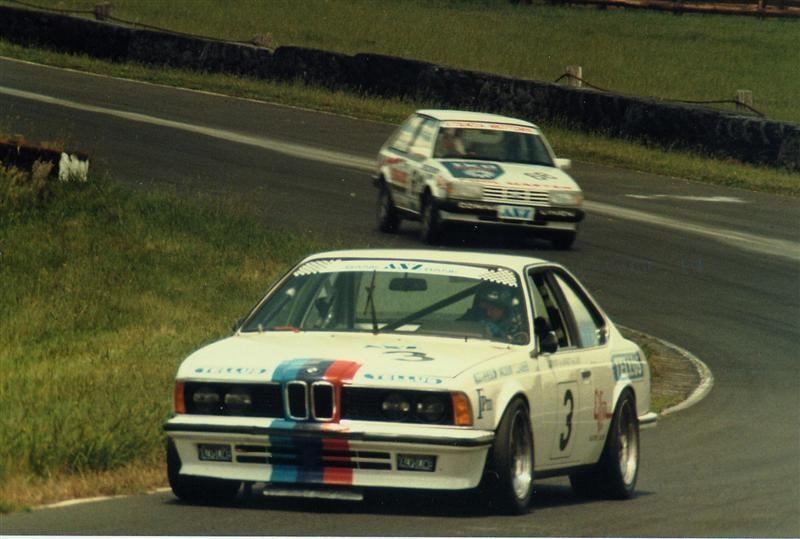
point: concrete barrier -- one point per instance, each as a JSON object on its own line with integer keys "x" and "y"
{"x": 67, "y": 166}
{"x": 664, "y": 124}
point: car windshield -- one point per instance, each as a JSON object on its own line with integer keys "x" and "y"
{"x": 489, "y": 144}
{"x": 391, "y": 296}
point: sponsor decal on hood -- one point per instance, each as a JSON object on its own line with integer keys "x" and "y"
{"x": 473, "y": 170}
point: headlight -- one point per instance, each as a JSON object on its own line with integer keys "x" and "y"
{"x": 465, "y": 189}
{"x": 566, "y": 198}
{"x": 430, "y": 408}
{"x": 396, "y": 407}
{"x": 238, "y": 401}
{"x": 206, "y": 400}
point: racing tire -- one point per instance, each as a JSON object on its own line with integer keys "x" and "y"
{"x": 562, "y": 241}
{"x": 511, "y": 459}
{"x": 431, "y": 231}
{"x": 614, "y": 475}
{"x": 193, "y": 489}
{"x": 388, "y": 218}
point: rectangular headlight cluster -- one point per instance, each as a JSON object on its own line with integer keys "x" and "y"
{"x": 566, "y": 198}
{"x": 464, "y": 189}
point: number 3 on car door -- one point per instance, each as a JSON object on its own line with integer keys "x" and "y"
{"x": 566, "y": 415}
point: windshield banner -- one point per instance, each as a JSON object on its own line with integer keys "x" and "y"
{"x": 497, "y": 275}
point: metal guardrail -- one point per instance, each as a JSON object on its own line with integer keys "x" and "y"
{"x": 764, "y": 8}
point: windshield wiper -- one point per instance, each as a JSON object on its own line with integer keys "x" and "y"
{"x": 371, "y": 303}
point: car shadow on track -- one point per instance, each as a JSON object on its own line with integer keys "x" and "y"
{"x": 469, "y": 238}
{"x": 471, "y": 504}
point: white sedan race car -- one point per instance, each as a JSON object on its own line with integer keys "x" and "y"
{"x": 413, "y": 369}
{"x": 445, "y": 167}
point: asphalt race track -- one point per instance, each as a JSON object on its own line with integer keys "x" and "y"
{"x": 714, "y": 270}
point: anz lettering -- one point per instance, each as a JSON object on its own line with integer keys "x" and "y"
{"x": 516, "y": 213}
{"x": 403, "y": 266}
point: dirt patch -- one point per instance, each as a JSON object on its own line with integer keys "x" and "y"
{"x": 673, "y": 376}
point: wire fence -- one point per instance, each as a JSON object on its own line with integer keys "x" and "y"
{"x": 570, "y": 76}
{"x": 762, "y": 8}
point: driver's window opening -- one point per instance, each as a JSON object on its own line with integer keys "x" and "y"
{"x": 548, "y": 314}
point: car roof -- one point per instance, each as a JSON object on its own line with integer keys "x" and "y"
{"x": 514, "y": 262}
{"x": 468, "y": 116}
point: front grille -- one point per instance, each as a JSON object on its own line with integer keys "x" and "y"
{"x": 316, "y": 401}
{"x": 514, "y": 195}
{"x": 322, "y": 401}
{"x": 311, "y": 455}
{"x": 296, "y": 400}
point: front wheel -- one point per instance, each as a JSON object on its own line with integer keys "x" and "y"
{"x": 431, "y": 230}
{"x": 512, "y": 460}
{"x": 614, "y": 476}
{"x": 195, "y": 489}
{"x": 388, "y": 219}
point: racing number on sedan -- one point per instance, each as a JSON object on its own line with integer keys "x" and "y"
{"x": 563, "y": 440}
{"x": 564, "y": 427}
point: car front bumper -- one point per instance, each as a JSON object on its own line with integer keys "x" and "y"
{"x": 350, "y": 453}
{"x": 486, "y": 213}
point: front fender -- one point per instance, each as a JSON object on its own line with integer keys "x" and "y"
{"x": 506, "y": 394}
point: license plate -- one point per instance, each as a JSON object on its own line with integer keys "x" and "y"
{"x": 215, "y": 452}
{"x": 416, "y": 463}
{"x": 516, "y": 213}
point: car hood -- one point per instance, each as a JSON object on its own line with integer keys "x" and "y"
{"x": 511, "y": 174}
{"x": 364, "y": 359}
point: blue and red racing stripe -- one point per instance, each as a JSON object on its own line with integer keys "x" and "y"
{"x": 312, "y": 453}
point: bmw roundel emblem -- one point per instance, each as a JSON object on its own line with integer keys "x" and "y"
{"x": 312, "y": 370}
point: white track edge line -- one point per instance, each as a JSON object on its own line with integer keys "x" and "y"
{"x": 703, "y": 371}
{"x": 94, "y": 499}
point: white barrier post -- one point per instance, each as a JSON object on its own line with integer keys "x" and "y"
{"x": 575, "y": 76}
{"x": 744, "y": 97}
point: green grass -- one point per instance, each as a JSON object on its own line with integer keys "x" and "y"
{"x": 692, "y": 57}
{"x": 576, "y": 145}
{"x": 104, "y": 292}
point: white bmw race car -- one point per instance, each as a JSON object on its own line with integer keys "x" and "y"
{"x": 443, "y": 167}
{"x": 413, "y": 369}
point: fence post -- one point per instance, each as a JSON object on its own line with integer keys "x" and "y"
{"x": 574, "y": 76}
{"x": 102, "y": 11}
{"x": 744, "y": 97}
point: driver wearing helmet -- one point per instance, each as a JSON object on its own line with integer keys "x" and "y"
{"x": 494, "y": 308}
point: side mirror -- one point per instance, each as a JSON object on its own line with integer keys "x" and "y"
{"x": 236, "y": 325}
{"x": 563, "y": 164}
{"x": 548, "y": 343}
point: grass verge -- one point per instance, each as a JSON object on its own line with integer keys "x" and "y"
{"x": 104, "y": 292}
{"x": 576, "y": 145}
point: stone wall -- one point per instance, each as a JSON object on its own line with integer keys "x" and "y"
{"x": 669, "y": 125}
